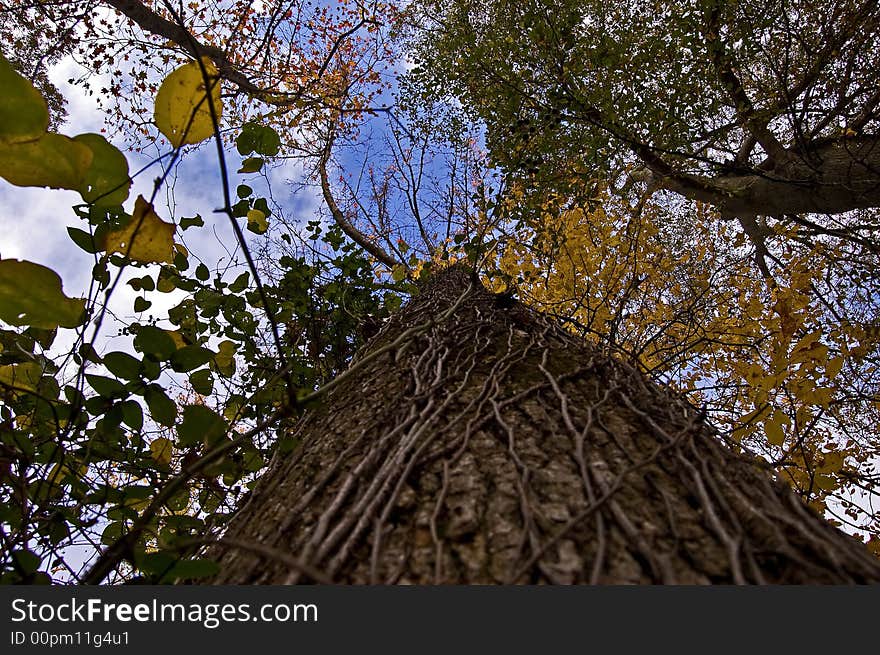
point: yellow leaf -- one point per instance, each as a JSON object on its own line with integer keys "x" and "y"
{"x": 819, "y": 396}
{"x": 21, "y": 377}
{"x": 161, "y": 450}
{"x": 833, "y": 366}
{"x": 808, "y": 341}
{"x": 182, "y": 112}
{"x": 177, "y": 337}
{"x": 61, "y": 470}
{"x": 145, "y": 238}
{"x": 825, "y": 482}
{"x": 831, "y": 462}
{"x": 256, "y": 221}
{"x": 773, "y": 428}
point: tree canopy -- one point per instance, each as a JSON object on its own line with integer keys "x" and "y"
{"x": 690, "y": 186}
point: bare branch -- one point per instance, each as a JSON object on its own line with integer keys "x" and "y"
{"x": 339, "y": 216}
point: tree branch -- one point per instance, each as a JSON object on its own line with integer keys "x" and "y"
{"x": 152, "y": 22}
{"x": 743, "y": 106}
{"x": 346, "y": 225}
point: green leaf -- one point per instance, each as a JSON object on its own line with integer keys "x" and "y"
{"x": 157, "y": 563}
{"x": 164, "y": 284}
{"x": 122, "y": 365}
{"x": 106, "y": 181}
{"x": 234, "y": 405}
{"x": 26, "y": 560}
{"x": 106, "y": 387}
{"x": 101, "y": 274}
{"x": 155, "y": 342}
{"x": 112, "y": 533}
{"x": 398, "y": 273}
{"x": 191, "y": 569}
{"x": 83, "y": 239}
{"x": 31, "y": 294}
{"x": 225, "y": 359}
{"x": 182, "y": 112}
{"x": 243, "y": 190}
{"x": 200, "y": 425}
{"x": 132, "y": 414}
{"x": 240, "y": 283}
{"x": 24, "y": 115}
{"x": 202, "y": 272}
{"x": 162, "y": 408}
{"x": 141, "y": 304}
{"x": 53, "y": 160}
{"x": 251, "y": 165}
{"x": 189, "y": 358}
{"x": 202, "y": 382}
{"x": 195, "y": 221}
{"x": 258, "y": 138}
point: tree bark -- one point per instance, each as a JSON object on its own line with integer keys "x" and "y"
{"x": 478, "y": 442}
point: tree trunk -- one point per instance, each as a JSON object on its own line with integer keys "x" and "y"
{"x": 478, "y": 442}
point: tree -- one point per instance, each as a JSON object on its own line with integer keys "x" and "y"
{"x": 475, "y": 441}
{"x": 463, "y": 438}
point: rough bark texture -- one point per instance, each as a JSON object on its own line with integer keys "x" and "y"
{"x": 490, "y": 446}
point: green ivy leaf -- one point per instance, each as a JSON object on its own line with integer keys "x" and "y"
{"x": 26, "y": 560}
{"x": 132, "y": 414}
{"x": 202, "y": 382}
{"x": 162, "y": 408}
{"x": 195, "y": 221}
{"x": 258, "y": 138}
{"x": 251, "y": 165}
{"x": 154, "y": 342}
{"x": 200, "y": 424}
{"x": 225, "y": 359}
{"x": 240, "y": 283}
{"x": 106, "y": 387}
{"x": 83, "y": 239}
{"x": 191, "y": 569}
{"x": 189, "y": 358}
{"x": 122, "y": 365}
{"x": 157, "y": 563}
{"x": 142, "y": 304}
{"x": 112, "y": 533}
